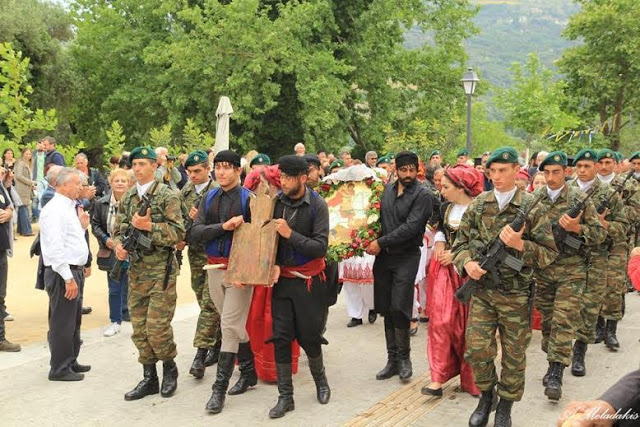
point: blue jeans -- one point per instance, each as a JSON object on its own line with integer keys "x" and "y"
{"x": 118, "y": 297}
{"x": 35, "y": 212}
{"x": 24, "y": 223}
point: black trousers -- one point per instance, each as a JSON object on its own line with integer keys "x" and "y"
{"x": 65, "y": 318}
{"x": 3, "y": 290}
{"x": 394, "y": 278}
{"x": 298, "y": 313}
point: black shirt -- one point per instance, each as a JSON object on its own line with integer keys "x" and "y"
{"x": 208, "y": 224}
{"x": 5, "y": 229}
{"x": 404, "y": 217}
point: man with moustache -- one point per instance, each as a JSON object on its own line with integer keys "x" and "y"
{"x": 405, "y": 209}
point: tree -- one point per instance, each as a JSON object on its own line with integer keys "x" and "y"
{"x": 603, "y": 71}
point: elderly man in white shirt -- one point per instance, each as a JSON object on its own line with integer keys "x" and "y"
{"x": 64, "y": 252}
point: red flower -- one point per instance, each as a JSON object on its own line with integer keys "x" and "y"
{"x": 325, "y": 187}
{"x": 353, "y": 233}
{"x": 371, "y": 233}
{"x": 367, "y": 242}
{"x": 377, "y": 205}
{"x": 354, "y": 245}
{"x": 358, "y": 240}
{"x": 369, "y": 181}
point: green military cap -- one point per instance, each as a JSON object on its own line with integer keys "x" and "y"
{"x": 554, "y": 158}
{"x": 435, "y": 153}
{"x": 619, "y": 156}
{"x": 635, "y": 156}
{"x": 260, "y": 159}
{"x": 391, "y": 156}
{"x": 502, "y": 155}
{"x": 381, "y": 160}
{"x": 336, "y": 164}
{"x": 143, "y": 153}
{"x": 195, "y": 158}
{"x": 588, "y": 154}
{"x": 606, "y": 154}
{"x": 463, "y": 152}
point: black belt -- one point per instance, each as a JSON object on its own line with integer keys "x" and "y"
{"x": 72, "y": 267}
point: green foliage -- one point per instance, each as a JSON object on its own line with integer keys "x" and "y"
{"x": 115, "y": 141}
{"x": 17, "y": 119}
{"x": 194, "y": 139}
{"x": 161, "y": 137}
{"x": 70, "y": 150}
{"x": 486, "y": 134}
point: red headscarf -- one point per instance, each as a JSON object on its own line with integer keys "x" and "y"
{"x": 466, "y": 177}
{"x": 523, "y": 174}
{"x": 271, "y": 173}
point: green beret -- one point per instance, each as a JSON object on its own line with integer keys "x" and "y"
{"x": 143, "y": 153}
{"x": 606, "y": 154}
{"x": 391, "y": 156}
{"x": 588, "y": 154}
{"x": 260, "y": 159}
{"x": 336, "y": 164}
{"x": 634, "y": 156}
{"x": 554, "y": 158}
{"x": 502, "y": 155}
{"x": 381, "y": 160}
{"x": 195, "y": 158}
{"x": 619, "y": 156}
{"x": 434, "y": 153}
{"x": 463, "y": 152}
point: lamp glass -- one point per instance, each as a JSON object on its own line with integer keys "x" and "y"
{"x": 469, "y": 81}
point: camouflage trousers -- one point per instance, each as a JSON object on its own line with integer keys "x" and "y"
{"x": 208, "y": 326}
{"x": 592, "y": 297}
{"x": 507, "y": 312}
{"x": 616, "y": 285}
{"x": 558, "y": 299}
{"x": 151, "y": 311}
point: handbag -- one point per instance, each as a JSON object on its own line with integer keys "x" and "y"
{"x": 106, "y": 259}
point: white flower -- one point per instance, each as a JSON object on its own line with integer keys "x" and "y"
{"x": 372, "y": 218}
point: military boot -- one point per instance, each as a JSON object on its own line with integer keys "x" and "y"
{"x": 600, "y": 330}
{"x": 149, "y": 384}
{"x": 213, "y": 354}
{"x": 197, "y": 367}
{"x": 248, "y": 377}
{"x": 323, "y": 392}
{"x": 169, "y": 378}
{"x": 610, "y": 339}
{"x": 487, "y": 404}
{"x": 577, "y": 364}
{"x": 225, "y": 369}
{"x": 285, "y": 390}
{"x": 503, "y": 413}
{"x": 391, "y": 368}
{"x": 403, "y": 341}
{"x": 545, "y": 379}
{"x": 554, "y": 386}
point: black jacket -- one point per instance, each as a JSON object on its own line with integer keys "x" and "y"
{"x": 99, "y": 215}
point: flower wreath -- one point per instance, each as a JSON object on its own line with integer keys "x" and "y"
{"x": 364, "y": 235}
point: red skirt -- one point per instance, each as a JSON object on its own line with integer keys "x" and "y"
{"x": 447, "y": 326}
{"x": 260, "y": 329}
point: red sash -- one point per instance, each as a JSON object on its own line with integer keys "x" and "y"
{"x": 218, "y": 260}
{"x": 313, "y": 268}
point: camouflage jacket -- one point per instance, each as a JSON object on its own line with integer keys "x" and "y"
{"x": 592, "y": 232}
{"x": 482, "y": 223}
{"x": 167, "y": 224}
{"x": 188, "y": 197}
{"x": 630, "y": 199}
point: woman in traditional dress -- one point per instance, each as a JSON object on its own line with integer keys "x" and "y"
{"x": 447, "y": 315}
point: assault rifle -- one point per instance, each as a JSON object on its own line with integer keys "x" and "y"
{"x": 496, "y": 254}
{"x": 562, "y": 237}
{"x": 606, "y": 203}
{"x": 134, "y": 238}
{"x": 189, "y": 222}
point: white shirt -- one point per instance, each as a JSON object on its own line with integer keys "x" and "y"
{"x": 142, "y": 189}
{"x": 553, "y": 194}
{"x": 200, "y": 187}
{"x": 584, "y": 186}
{"x": 62, "y": 239}
{"x": 504, "y": 198}
{"x": 607, "y": 179}
{"x": 455, "y": 216}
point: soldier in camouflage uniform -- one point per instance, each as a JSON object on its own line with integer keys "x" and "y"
{"x": 505, "y": 307}
{"x": 207, "y": 337}
{"x": 151, "y": 304}
{"x": 586, "y": 167}
{"x": 616, "y": 290}
{"x": 560, "y": 285}
{"x": 635, "y": 165}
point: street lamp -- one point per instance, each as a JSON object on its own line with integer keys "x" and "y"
{"x": 469, "y": 82}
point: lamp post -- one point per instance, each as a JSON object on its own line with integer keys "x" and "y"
{"x": 469, "y": 82}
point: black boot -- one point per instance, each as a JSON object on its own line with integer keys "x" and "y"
{"x": 554, "y": 386}
{"x": 197, "y": 367}
{"x": 545, "y": 379}
{"x": 213, "y": 354}
{"x": 404, "y": 354}
{"x": 225, "y": 369}
{"x": 577, "y": 364}
{"x": 169, "y": 378}
{"x": 487, "y": 404}
{"x": 149, "y": 384}
{"x": 391, "y": 368}
{"x": 285, "y": 388}
{"x": 503, "y": 413}
{"x": 600, "y": 330}
{"x": 248, "y": 377}
{"x": 610, "y": 339}
{"x": 323, "y": 392}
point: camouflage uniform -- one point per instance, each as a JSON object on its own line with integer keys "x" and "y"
{"x": 152, "y": 308}
{"x": 505, "y": 307}
{"x": 207, "y": 328}
{"x": 560, "y": 285}
{"x": 598, "y": 255}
